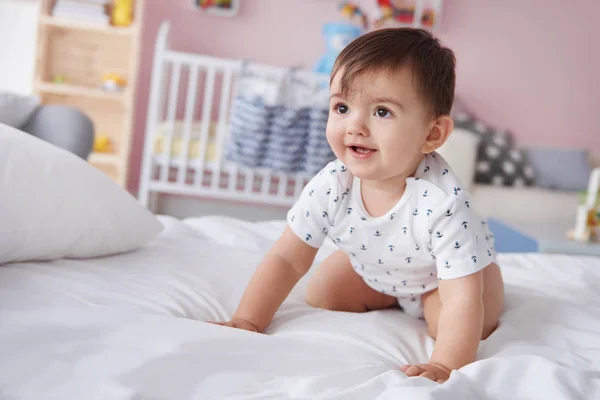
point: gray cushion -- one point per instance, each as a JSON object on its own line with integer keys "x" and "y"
{"x": 499, "y": 161}
{"x": 63, "y": 126}
{"x": 16, "y": 109}
{"x": 561, "y": 169}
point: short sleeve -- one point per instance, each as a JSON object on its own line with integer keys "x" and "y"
{"x": 310, "y": 218}
{"x": 459, "y": 238}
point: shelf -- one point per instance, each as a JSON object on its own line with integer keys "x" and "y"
{"x": 81, "y": 52}
{"x": 73, "y": 90}
{"x": 89, "y": 27}
{"x": 104, "y": 159}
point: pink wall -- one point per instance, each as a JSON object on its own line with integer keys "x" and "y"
{"x": 530, "y": 66}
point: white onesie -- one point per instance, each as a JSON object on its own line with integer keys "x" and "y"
{"x": 432, "y": 232}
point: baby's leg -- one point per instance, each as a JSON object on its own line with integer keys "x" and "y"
{"x": 336, "y": 286}
{"x": 493, "y": 302}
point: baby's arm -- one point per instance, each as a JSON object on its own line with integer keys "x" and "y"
{"x": 462, "y": 249}
{"x": 294, "y": 252}
{"x": 279, "y": 271}
{"x": 461, "y": 321}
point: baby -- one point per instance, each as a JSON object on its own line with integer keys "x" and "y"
{"x": 406, "y": 231}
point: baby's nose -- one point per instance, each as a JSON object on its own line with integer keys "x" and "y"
{"x": 358, "y": 128}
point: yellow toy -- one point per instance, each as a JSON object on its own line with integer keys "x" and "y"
{"x": 122, "y": 12}
{"x": 102, "y": 144}
{"x": 59, "y": 79}
{"x": 113, "y": 82}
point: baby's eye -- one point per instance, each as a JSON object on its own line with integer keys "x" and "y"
{"x": 341, "y": 108}
{"x": 383, "y": 112}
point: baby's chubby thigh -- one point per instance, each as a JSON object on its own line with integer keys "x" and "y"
{"x": 493, "y": 302}
{"x": 336, "y": 286}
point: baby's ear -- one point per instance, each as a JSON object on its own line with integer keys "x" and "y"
{"x": 439, "y": 131}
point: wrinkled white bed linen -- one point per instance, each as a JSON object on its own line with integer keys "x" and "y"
{"x": 131, "y": 327}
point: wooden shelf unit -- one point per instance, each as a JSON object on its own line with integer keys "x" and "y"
{"x": 80, "y": 53}
{"x": 81, "y": 91}
{"x": 47, "y": 20}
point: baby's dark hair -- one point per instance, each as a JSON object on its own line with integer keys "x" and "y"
{"x": 433, "y": 65}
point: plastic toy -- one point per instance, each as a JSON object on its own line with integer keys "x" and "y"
{"x": 214, "y": 3}
{"x": 113, "y": 82}
{"x": 337, "y": 36}
{"x": 391, "y": 11}
{"x": 587, "y": 220}
{"x": 102, "y": 144}
{"x": 351, "y": 10}
{"x": 59, "y": 79}
{"x": 122, "y": 13}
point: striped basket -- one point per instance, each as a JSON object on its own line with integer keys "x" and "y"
{"x": 279, "y": 122}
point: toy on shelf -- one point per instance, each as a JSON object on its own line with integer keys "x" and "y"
{"x": 351, "y": 11}
{"x": 204, "y": 4}
{"x": 59, "y": 79}
{"x": 113, "y": 82}
{"x": 364, "y": 15}
{"x": 416, "y": 13}
{"x": 225, "y": 8}
{"x": 337, "y": 36}
{"x": 102, "y": 144}
{"x": 122, "y": 13}
{"x": 587, "y": 220}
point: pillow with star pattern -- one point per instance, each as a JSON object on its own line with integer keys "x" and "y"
{"x": 499, "y": 161}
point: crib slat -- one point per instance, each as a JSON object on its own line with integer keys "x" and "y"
{"x": 190, "y": 104}
{"x": 173, "y": 90}
{"x": 249, "y": 181}
{"x": 282, "y": 186}
{"x": 266, "y": 183}
{"x": 209, "y": 88}
{"x": 299, "y": 185}
{"x": 222, "y": 126}
{"x": 233, "y": 177}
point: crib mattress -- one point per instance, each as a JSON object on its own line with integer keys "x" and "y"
{"x": 160, "y": 141}
{"x": 132, "y": 327}
{"x": 315, "y": 158}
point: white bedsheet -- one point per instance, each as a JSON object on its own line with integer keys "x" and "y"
{"x": 130, "y": 327}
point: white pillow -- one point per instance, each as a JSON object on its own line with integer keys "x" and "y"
{"x": 55, "y": 205}
{"x": 460, "y": 151}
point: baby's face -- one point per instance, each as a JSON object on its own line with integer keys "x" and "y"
{"x": 378, "y": 128}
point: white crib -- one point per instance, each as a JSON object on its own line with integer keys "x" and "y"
{"x": 186, "y": 133}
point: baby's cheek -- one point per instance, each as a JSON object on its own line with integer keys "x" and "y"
{"x": 335, "y": 140}
{"x": 400, "y": 148}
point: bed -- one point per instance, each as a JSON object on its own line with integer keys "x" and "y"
{"x": 98, "y": 300}
{"x": 132, "y": 326}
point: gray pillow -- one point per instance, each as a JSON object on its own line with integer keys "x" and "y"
{"x": 64, "y": 126}
{"x": 561, "y": 169}
{"x": 15, "y": 109}
{"x": 499, "y": 161}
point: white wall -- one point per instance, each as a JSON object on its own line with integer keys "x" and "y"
{"x": 18, "y": 30}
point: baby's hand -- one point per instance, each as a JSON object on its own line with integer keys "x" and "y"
{"x": 239, "y": 324}
{"x": 436, "y": 372}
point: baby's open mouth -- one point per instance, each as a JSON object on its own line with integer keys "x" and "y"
{"x": 361, "y": 150}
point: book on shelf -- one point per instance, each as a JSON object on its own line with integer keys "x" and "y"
{"x": 92, "y": 11}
